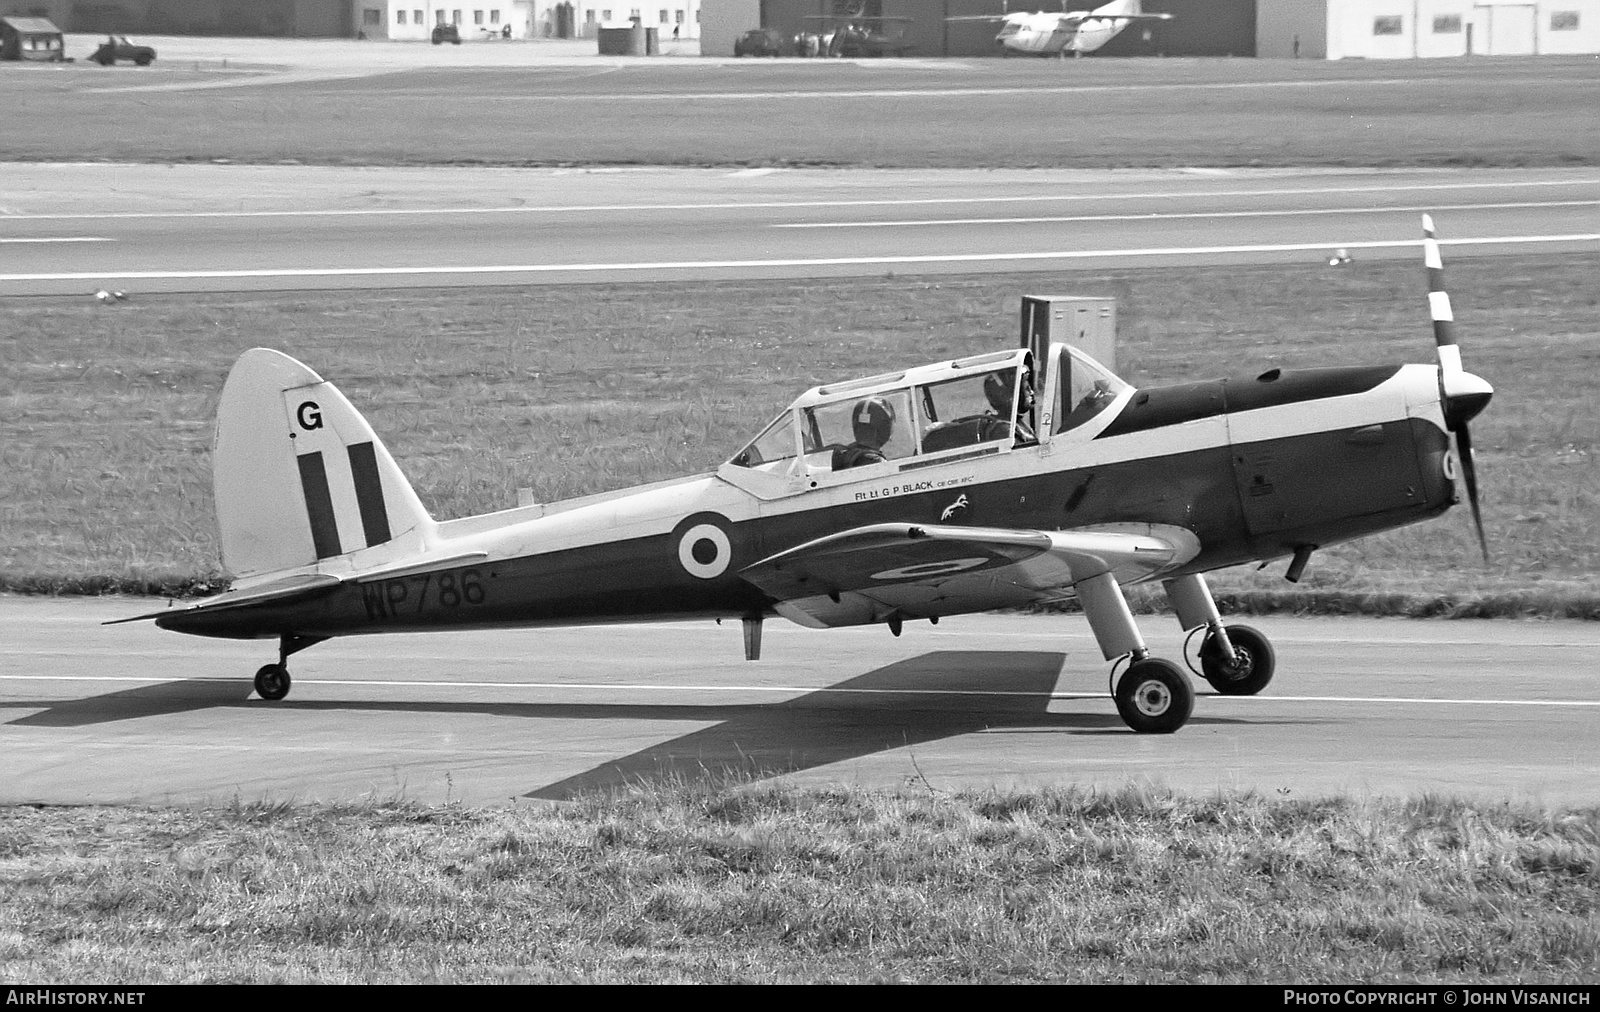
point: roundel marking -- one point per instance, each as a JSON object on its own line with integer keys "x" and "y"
{"x": 924, "y": 569}
{"x": 704, "y": 551}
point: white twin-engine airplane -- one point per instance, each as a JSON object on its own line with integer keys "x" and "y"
{"x": 1075, "y": 32}
{"x": 999, "y": 480}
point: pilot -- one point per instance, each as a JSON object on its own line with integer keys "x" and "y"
{"x": 997, "y": 388}
{"x": 872, "y": 421}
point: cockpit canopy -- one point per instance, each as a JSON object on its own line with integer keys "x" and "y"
{"x": 971, "y": 406}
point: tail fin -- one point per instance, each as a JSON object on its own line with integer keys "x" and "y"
{"x": 300, "y": 477}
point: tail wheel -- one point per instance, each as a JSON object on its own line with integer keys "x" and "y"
{"x": 1254, "y": 662}
{"x": 1154, "y": 696}
{"x": 272, "y": 682}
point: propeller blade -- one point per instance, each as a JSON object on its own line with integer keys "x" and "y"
{"x": 1461, "y": 394}
{"x": 1469, "y": 473}
{"x": 1444, "y": 333}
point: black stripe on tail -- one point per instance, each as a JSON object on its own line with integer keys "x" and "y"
{"x": 369, "y": 493}
{"x": 319, "y": 505}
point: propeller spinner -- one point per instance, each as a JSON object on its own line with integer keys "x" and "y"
{"x": 1461, "y": 394}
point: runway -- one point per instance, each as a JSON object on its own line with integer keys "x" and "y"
{"x": 129, "y": 714}
{"x": 72, "y": 229}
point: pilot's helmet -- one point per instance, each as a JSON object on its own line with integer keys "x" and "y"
{"x": 873, "y": 421}
{"x": 997, "y": 388}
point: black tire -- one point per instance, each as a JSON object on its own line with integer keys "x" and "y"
{"x": 1154, "y": 696}
{"x": 1256, "y": 662}
{"x": 272, "y": 682}
{"x": 143, "y": 61}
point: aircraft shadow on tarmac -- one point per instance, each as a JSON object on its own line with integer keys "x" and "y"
{"x": 942, "y": 694}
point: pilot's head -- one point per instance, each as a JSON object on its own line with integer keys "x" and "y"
{"x": 1025, "y": 399}
{"x": 873, "y": 421}
{"x": 997, "y": 389}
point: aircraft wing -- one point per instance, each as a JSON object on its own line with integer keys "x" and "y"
{"x": 1074, "y": 20}
{"x": 921, "y": 570}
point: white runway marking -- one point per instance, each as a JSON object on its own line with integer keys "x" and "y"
{"x": 62, "y": 238}
{"x": 788, "y": 690}
{"x": 881, "y": 93}
{"x": 1035, "y": 198}
{"x": 692, "y": 265}
{"x": 1159, "y": 216}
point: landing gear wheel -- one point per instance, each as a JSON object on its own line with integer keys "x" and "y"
{"x": 1154, "y": 696}
{"x": 272, "y": 682}
{"x": 1255, "y": 661}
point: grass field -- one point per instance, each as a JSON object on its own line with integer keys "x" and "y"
{"x": 976, "y": 113}
{"x": 105, "y": 471}
{"x": 747, "y": 883}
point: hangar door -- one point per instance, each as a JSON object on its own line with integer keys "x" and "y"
{"x": 1197, "y": 28}
{"x": 1511, "y": 29}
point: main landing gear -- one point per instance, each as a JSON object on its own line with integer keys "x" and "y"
{"x": 1153, "y": 695}
{"x": 272, "y": 681}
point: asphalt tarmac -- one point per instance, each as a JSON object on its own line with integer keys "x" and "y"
{"x": 73, "y": 229}
{"x": 129, "y": 714}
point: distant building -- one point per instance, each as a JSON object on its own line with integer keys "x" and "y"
{"x": 525, "y": 19}
{"x": 284, "y": 18}
{"x": 1410, "y": 29}
{"x": 723, "y": 21}
{"x": 373, "y": 19}
{"x": 1198, "y": 28}
{"x": 1312, "y": 29}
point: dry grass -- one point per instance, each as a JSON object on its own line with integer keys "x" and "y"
{"x": 104, "y": 460}
{"x": 1144, "y": 112}
{"x": 729, "y": 883}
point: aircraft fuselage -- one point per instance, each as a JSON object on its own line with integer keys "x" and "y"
{"x": 1045, "y": 34}
{"x": 1252, "y": 467}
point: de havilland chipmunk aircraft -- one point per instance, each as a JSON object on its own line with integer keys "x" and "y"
{"x": 1075, "y": 32}
{"x": 1002, "y": 479}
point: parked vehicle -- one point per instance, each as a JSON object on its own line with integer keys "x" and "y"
{"x": 446, "y": 33}
{"x": 759, "y": 42}
{"x": 117, "y": 47}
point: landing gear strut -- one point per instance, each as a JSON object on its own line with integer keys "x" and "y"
{"x": 1154, "y": 695}
{"x": 272, "y": 681}
{"x": 1236, "y": 659}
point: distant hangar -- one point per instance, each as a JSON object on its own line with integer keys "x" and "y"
{"x": 1413, "y": 29}
{"x": 1308, "y": 29}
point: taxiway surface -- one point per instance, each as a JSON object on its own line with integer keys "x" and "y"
{"x": 171, "y": 228}
{"x": 1501, "y": 710}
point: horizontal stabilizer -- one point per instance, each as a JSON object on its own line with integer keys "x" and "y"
{"x": 304, "y": 586}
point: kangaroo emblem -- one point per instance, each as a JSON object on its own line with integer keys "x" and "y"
{"x": 950, "y": 510}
